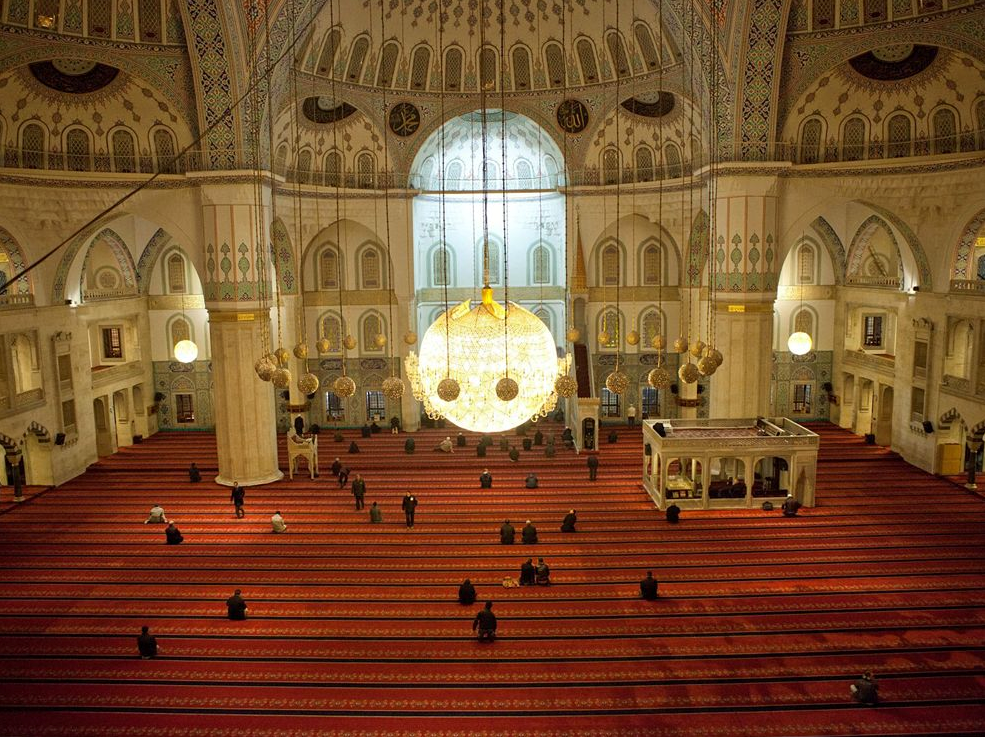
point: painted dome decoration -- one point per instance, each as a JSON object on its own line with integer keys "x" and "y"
{"x": 73, "y": 76}
{"x": 326, "y": 109}
{"x": 893, "y": 63}
{"x": 651, "y": 105}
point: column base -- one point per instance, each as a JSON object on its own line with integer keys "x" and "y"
{"x": 257, "y": 481}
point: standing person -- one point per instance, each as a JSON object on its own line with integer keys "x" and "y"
{"x": 529, "y": 534}
{"x": 172, "y": 535}
{"x": 673, "y": 513}
{"x": 236, "y": 606}
{"x": 375, "y": 514}
{"x": 238, "y": 496}
{"x": 485, "y": 479}
{"x": 528, "y": 573}
{"x": 631, "y": 415}
{"x": 506, "y": 533}
{"x": 466, "y": 593}
{"x": 146, "y": 643}
{"x": 359, "y": 491}
{"x": 299, "y": 425}
{"x": 343, "y": 477}
{"x": 460, "y": 440}
{"x": 409, "y": 506}
{"x": 194, "y": 475}
{"x": 156, "y": 515}
{"x": 865, "y": 690}
{"x": 648, "y": 587}
{"x": 336, "y": 467}
{"x": 538, "y": 437}
{"x": 278, "y": 523}
{"x": 485, "y": 622}
{"x": 593, "y": 466}
{"x": 568, "y": 523}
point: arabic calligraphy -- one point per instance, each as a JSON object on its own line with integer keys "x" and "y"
{"x": 572, "y": 116}
{"x": 405, "y": 119}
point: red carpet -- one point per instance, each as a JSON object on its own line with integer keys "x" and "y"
{"x": 354, "y": 628}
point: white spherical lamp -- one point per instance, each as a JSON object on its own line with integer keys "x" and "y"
{"x": 799, "y": 343}
{"x": 185, "y": 351}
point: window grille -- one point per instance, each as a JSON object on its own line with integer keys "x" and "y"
{"x": 872, "y": 331}
{"x": 439, "y": 267}
{"x": 77, "y": 150}
{"x": 610, "y": 403}
{"x": 420, "y": 67}
{"x": 672, "y": 161}
{"x": 124, "y": 152}
{"x": 898, "y": 138}
{"x": 333, "y": 169}
{"x": 644, "y": 40}
{"x": 371, "y": 328}
{"x": 329, "y": 269}
{"x": 164, "y": 148}
{"x": 610, "y": 266}
{"x": 945, "y": 132}
{"x": 853, "y": 147}
{"x": 331, "y": 328}
{"x": 366, "y": 165}
{"x": 521, "y": 68}
{"x": 617, "y": 52}
{"x": 176, "y": 274}
{"x": 805, "y": 265}
{"x": 610, "y": 166}
{"x": 542, "y": 265}
{"x": 371, "y": 269}
{"x": 487, "y": 68}
{"x": 586, "y": 57}
{"x": 453, "y": 69}
{"x": 327, "y": 60}
{"x": 112, "y": 343}
{"x": 556, "y": 73}
{"x": 651, "y": 265}
{"x": 388, "y": 63}
{"x": 810, "y": 142}
{"x": 644, "y": 164}
{"x": 356, "y": 59}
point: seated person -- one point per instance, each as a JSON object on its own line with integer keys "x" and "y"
{"x": 194, "y": 475}
{"x": 504, "y": 444}
{"x": 466, "y": 593}
{"x": 173, "y": 535}
{"x": 613, "y": 436}
{"x": 375, "y": 514}
{"x": 506, "y": 533}
{"x": 236, "y": 606}
{"x": 648, "y": 587}
{"x": 146, "y": 643}
{"x": 529, "y": 534}
{"x": 514, "y": 455}
{"x": 156, "y": 515}
{"x": 865, "y": 690}
{"x": 538, "y": 438}
{"x": 673, "y": 513}
{"x": 365, "y": 431}
{"x": 568, "y": 523}
{"x": 568, "y": 438}
{"x": 278, "y": 523}
{"x": 531, "y": 482}
{"x": 485, "y": 479}
{"x": 528, "y": 573}
{"x": 409, "y": 445}
{"x": 543, "y": 573}
{"x": 353, "y": 448}
{"x": 445, "y": 446}
{"x": 394, "y": 425}
{"x": 374, "y": 428}
{"x": 790, "y": 506}
{"x": 485, "y": 622}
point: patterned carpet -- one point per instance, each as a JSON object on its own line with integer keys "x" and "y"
{"x": 354, "y": 628}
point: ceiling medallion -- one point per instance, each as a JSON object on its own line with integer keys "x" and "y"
{"x": 324, "y": 110}
{"x": 894, "y": 63}
{"x": 572, "y": 116}
{"x": 404, "y": 119}
{"x": 73, "y": 76}
{"x": 651, "y": 105}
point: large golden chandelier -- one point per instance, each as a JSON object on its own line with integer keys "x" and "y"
{"x": 483, "y": 350}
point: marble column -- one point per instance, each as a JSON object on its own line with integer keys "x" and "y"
{"x": 744, "y": 280}
{"x": 236, "y": 282}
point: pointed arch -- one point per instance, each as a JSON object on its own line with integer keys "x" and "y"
{"x": 830, "y": 240}
{"x": 540, "y": 261}
{"x": 612, "y": 322}
{"x": 371, "y": 324}
{"x": 372, "y": 269}
{"x": 963, "y": 262}
{"x": 652, "y": 323}
{"x": 14, "y": 264}
{"x": 915, "y": 248}
{"x": 178, "y": 328}
{"x": 124, "y": 258}
{"x": 330, "y": 326}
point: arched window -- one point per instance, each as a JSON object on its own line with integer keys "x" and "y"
{"x": 280, "y": 161}
{"x": 521, "y": 68}
{"x": 487, "y": 68}
{"x": 609, "y": 324}
{"x": 875, "y": 11}
{"x": 945, "y": 132}
{"x": 453, "y": 69}
{"x": 77, "y": 150}
{"x": 176, "y": 274}
{"x": 357, "y": 57}
{"x": 124, "y": 151}
{"x": 541, "y": 265}
{"x": 617, "y": 52}
{"x": 304, "y": 167}
{"x": 333, "y": 169}
{"x": 644, "y": 164}
{"x": 524, "y": 174}
{"x": 899, "y": 140}
{"x": 610, "y": 165}
{"x": 366, "y": 166}
{"x": 180, "y": 330}
{"x": 586, "y": 58}
{"x": 331, "y": 328}
{"x": 372, "y": 326}
{"x": 805, "y": 264}
{"x": 551, "y": 170}
{"x": 810, "y": 142}
{"x": 644, "y": 40}
{"x": 545, "y": 317}
{"x": 164, "y": 150}
{"x": 495, "y": 255}
{"x": 650, "y": 328}
{"x": 610, "y": 265}
{"x": 554, "y": 56}
{"x": 326, "y": 62}
{"x": 420, "y": 68}
{"x": 440, "y": 267}
{"x": 803, "y": 322}
{"x": 388, "y": 63}
{"x": 672, "y": 161}
{"x": 372, "y": 273}
{"x": 652, "y": 270}
{"x": 32, "y": 146}
{"x": 328, "y": 269}
{"x": 853, "y": 140}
